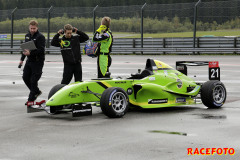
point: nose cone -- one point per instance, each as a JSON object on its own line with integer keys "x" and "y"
{"x": 69, "y": 94}
{"x": 57, "y": 99}
{"x": 50, "y": 102}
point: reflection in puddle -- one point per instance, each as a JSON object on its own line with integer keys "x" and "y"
{"x": 167, "y": 132}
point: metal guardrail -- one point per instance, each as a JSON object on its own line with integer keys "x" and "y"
{"x": 151, "y": 50}
{"x": 204, "y": 45}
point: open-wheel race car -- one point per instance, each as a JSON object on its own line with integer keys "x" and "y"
{"x": 158, "y": 85}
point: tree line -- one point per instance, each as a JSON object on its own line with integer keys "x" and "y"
{"x": 124, "y": 24}
{"x": 22, "y": 4}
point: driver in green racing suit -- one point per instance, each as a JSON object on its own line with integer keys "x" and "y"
{"x": 104, "y": 37}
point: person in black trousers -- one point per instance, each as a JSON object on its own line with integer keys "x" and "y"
{"x": 70, "y": 50}
{"x": 32, "y": 71}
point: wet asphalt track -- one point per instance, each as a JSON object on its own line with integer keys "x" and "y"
{"x": 139, "y": 135}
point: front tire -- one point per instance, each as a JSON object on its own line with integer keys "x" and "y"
{"x": 55, "y": 109}
{"x": 114, "y": 102}
{"x": 55, "y": 89}
{"x": 213, "y": 94}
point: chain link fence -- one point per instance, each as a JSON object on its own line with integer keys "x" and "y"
{"x": 167, "y": 18}
{"x": 157, "y": 18}
{"x": 220, "y": 12}
{"x": 5, "y": 14}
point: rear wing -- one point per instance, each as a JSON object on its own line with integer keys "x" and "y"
{"x": 213, "y": 67}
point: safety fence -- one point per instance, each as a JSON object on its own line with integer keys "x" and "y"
{"x": 142, "y": 19}
{"x": 179, "y": 15}
{"x": 203, "y": 45}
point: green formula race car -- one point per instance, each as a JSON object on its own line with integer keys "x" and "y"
{"x": 158, "y": 85}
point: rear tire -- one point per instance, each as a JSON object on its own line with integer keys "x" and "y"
{"x": 213, "y": 94}
{"x": 55, "y": 109}
{"x": 114, "y": 102}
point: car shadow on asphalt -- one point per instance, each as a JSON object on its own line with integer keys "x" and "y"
{"x": 66, "y": 116}
{"x": 175, "y": 109}
{"x": 132, "y": 110}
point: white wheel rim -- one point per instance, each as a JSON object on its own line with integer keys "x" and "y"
{"x": 219, "y": 94}
{"x": 119, "y": 102}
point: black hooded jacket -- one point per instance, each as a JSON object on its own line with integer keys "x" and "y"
{"x": 70, "y": 47}
{"x": 39, "y": 53}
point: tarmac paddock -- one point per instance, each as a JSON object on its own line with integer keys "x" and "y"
{"x": 164, "y": 133}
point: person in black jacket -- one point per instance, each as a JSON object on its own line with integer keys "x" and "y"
{"x": 70, "y": 50}
{"x": 32, "y": 71}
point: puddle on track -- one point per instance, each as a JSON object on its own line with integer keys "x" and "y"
{"x": 212, "y": 116}
{"x": 168, "y": 132}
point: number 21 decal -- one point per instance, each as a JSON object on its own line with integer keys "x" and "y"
{"x": 214, "y": 73}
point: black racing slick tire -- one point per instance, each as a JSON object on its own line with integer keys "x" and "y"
{"x": 55, "y": 89}
{"x": 55, "y": 109}
{"x": 114, "y": 102}
{"x": 213, "y": 94}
